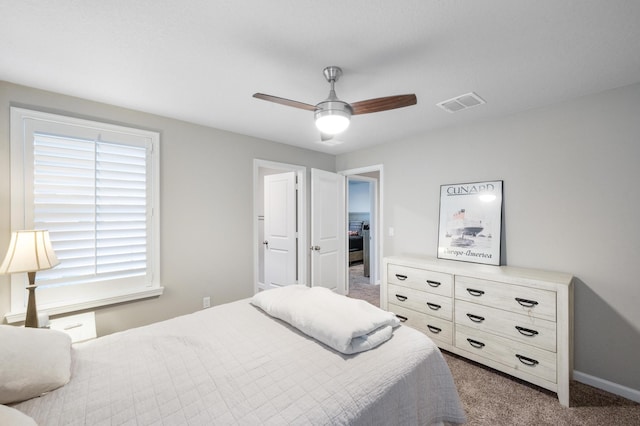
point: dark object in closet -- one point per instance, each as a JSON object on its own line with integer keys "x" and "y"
{"x": 355, "y": 241}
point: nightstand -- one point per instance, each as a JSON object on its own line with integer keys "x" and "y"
{"x": 80, "y": 327}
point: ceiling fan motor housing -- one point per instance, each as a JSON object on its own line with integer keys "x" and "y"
{"x": 332, "y": 116}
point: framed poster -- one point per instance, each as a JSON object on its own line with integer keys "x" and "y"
{"x": 470, "y": 222}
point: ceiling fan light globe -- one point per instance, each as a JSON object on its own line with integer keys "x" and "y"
{"x": 332, "y": 124}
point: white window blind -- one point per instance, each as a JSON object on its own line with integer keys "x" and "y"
{"x": 91, "y": 196}
{"x": 95, "y": 187}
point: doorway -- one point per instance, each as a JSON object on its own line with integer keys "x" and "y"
{"x": 364, "y": 222}
{"x": 359, "y": 208}
{"x": 374, "y": 174}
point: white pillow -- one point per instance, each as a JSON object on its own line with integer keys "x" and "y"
{"x": 32, "y": 361}
{"x": 13, "y": 417}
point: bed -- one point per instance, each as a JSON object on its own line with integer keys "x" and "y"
{"x": 234, "y": 364}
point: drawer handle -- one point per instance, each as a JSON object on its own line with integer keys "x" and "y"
{"x": 526, "y": 331}
{"x": 527, "y": 361}
{"x": 72, "y": 326}
{"x": 475, "y": 343}
{"x": 475, "y": 318}
{"x": 526, "y": 302}
{"x": 433, "y": 283}
{"x": 401, "y": 318}
{"x": 434, "y": 329}
{"x": 401, "y": 297}
{"x": 474, "y": 292}
{"x": 433, "y": 306}
{"x": 401, "y": 277}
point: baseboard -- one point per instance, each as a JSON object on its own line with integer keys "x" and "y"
{"x": 606, "y": 385}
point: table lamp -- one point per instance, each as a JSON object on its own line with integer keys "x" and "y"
{"x": 29, "y": 251}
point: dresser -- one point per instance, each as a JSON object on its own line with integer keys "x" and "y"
{"x": 516, "y": 320}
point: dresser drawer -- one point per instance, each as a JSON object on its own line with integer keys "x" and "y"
{"x": 421, "y": 279}
{"x": 525, "y": 358}
{"x": 514, "y": 298}
{"x": 421, "y": 301}
{"x": 436, "y": 328}
{"x": 526, "y": 329}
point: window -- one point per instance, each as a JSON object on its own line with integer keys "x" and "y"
{"x": 94, "y": 186}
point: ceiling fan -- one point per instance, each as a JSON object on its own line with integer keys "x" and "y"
{"x": 333, "y": 115}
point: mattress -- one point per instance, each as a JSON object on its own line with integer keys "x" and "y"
{"x": 233, "y": 364}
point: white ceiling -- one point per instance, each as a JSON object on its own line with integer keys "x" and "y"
{"x": 201, "y": 60}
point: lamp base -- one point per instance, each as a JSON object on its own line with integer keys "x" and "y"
{"x": 32, "y": 313}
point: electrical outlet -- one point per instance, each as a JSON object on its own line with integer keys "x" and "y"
{"x": 206, "y": 302}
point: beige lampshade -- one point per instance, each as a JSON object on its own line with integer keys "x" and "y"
{"x": 29, "y": 251}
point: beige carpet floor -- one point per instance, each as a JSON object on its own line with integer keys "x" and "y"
{"x": 491, "y": 398}
{"x": 359, "y": 287}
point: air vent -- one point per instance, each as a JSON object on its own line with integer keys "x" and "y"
{"x": 462, "y": 102}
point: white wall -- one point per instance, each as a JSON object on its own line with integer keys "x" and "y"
{"x": 206, "y": 205}
{"x": 571, "y": 201}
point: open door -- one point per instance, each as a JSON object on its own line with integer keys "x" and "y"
{"x": 280, "y": 239}
{"x": 328, "y": 234}
{"x": 262, "y": 168}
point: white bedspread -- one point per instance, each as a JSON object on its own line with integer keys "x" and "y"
{"x": 347, "y": 325}
{"x": 233, "y": 364}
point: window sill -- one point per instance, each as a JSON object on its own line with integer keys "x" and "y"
{"x": 74, "y": 306}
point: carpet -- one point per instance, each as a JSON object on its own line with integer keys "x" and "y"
{"x": 359, "y": 287}
{"x": 492, "y": 398}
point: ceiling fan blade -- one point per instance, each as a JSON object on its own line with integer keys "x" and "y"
{"x": 383, "y": 104}
{"x": 284, "y": 101}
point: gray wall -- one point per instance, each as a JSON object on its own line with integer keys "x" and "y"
{"x": 206, "y": 205}
{"x": 571, "y": 201}
{"x": 359, "y": 196}
{"x": 571, "y": 204}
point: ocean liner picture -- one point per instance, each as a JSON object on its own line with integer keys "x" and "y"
{"x": 470, "y": 222}
{"x": 463, "y": 225}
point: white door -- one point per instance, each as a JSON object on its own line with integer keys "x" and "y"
{"x": 328, "y": 234}
{"x": 280, "y": 248}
